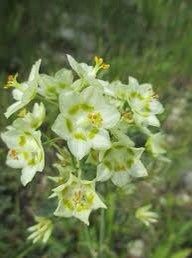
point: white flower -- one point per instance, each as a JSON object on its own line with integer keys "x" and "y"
{"x": 77, "y": 198}
{"x": 155, "y": 144}
{"x": 116, "y": 91}
{"x": 86, "y": 72}
{"x": 121, "y": 163}
{"x": 25, "y": 152}
{"x": 144, "y": 103}
{"x": 24, "y": 92}
{"x": 84, "y": 120}
{"x": 40, "y": 231}
{"x": 31, "y": 121}
{"x": 146, "y": 216}
{"x": 50, "y": 87}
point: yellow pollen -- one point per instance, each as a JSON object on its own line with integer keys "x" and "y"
{"x": 13, "y": 154}
{"x": 11, "y": 81}
{"x": 95, "y": 118}
{"x": 128, "y": 117}
{"x": 22, "y": 113}
{"x": 100, "y": 63}
{"x": 78, "y": 197}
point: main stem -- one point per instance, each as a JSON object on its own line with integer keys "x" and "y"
{"x": 79, "y": 171}
{"x": 101, "y": 232}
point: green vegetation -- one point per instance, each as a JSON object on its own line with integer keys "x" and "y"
{"x": 150, "y": 40}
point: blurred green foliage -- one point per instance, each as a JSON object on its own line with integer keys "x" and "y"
{"x": 148, "y": 39}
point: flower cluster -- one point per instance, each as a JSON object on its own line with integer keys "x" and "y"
{"x": 95, "y": 121}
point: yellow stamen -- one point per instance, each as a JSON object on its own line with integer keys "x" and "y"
{"x": 99, "y": 63}
{"x": 13, "y": 154}
{"x": 128, "y": 117}
{"x": 105, "y": 66}
{"x": 11, "y": 81}
{"x": 95, "y": 118}
{"x": 22, "y": 113}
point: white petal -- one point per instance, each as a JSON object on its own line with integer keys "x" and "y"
{"x": 103, "y": 173}
{"x": 11, "y": 138}
{"x": 30, "y": 92}
{"x": 110, "y": 116}
{"x": 93, "y": 95}
{"x": 132, "y": 80}
{"x": 47, "y": 235}
{"x": 149, "y": 120}
{"x": 79, "y": 148}
{"x": 27, "y": 175}
{"x": 101, "y": 141}
{"x": 62, "y": 211}
{"x": 28, "y": 95}
{"x": 13, "y": 108}
{"x": 61, "y": 127}
{"x": 108, "y": 90}
{"x": 138, "y": 170}
{"x": 83, "y": 216}
{"x": 65, "y": 75}
{"x": 145, "y": 89}
{"x": 47, "y": 86}
{"x": 156, "y": 107}
{"x": 98, "y": 203}
{"x": 35, "y": 70}
{"x": 153, "y": 120}
{"x": 15, "y": 163}
{"x": 17, "y": 94}
{"x": 76, "y": 66}
{"x": 138, "y": 152}
{"x": 120, "y": 178}
{"x": 68, "y": 99}
{"x": 38, "y": 114}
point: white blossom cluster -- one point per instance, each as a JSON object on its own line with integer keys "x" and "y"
{"x": 93, "y": 121}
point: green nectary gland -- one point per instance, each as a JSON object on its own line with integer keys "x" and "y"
{"x": 32, "y": 157}
{"x": 80, "y": 107}
{"x": 22, "y": 140}
{"x": 69, "y": 125}
{"x": 88, "y": 134}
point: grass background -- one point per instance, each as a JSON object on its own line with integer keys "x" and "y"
{"x": 148, "y": 39}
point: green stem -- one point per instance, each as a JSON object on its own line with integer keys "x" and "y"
{"x": 89, "y": 242}
{"x": 101, "y": 232}
{"x": 79, "y": 171}
{"x": 47, "y": 100}
{"x": 52, "y": 140}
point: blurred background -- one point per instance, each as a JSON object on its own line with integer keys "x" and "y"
{"x": 147, "y": 39}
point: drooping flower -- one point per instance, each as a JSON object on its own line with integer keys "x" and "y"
{"x": 155, "y": 144}
{"x": 121, "y": 163}
{"x": 84, "y": 120}
{"x": 50, "y": 87}
{"x": 144, "y": 103}
{"x": 24, "y": 92}
{"x": 146, "y": 216}
{"x": 77, "y": 198}
{"x": 41, "y": 231}
{"x": 25, "y": 152}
